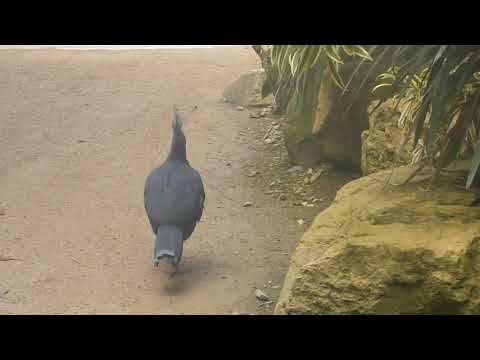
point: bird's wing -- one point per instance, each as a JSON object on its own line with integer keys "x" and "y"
{"x": 201, "y": 200}
{"x": 174, "y": 196}
{"x": 200, "y": 210}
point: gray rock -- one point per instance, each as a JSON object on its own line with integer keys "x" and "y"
{"x": 246, "y": 90}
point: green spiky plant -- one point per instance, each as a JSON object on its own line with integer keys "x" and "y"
{"x": 439, "y": 84}
{"x": 293, "y": 65}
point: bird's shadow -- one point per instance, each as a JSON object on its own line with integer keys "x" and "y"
{"x": 189, "y": 274}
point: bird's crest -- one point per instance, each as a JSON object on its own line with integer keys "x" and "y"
{"x": 177, "y": 121}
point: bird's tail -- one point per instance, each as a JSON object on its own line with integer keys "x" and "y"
{"x": 177, "y": 121}
{"x": 168, "y": 243}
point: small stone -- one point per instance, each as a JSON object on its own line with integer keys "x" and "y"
{"x": 253, "y": 173}
{"x": 282, "y": 197}
{"x": 300, "y": 221}
{"x": 223, "y": 276}
{"x": 260, "y": 295}
{"x": 276, "y": 287}
{"x": 306, "y": 181}
{"x": 268, "y": 141}
{"x": 228, "y": 163}
{"x": 269, "y": 282}
{"x": 240, "y": 108}
{"x": 295, "y": 169}
{"x": 298, "y": 191}
{"x": 247, "y": 204}
{"x": 272, "y": 183}
{"x": 236, "y": 253}
{"x": 316, "y": 176}
{"x": 310, "y": 171}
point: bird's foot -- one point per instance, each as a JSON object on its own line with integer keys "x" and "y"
{"x": 166, "y": 266}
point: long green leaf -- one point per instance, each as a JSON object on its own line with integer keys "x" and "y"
{"x": 348, "y": 49}
{"x": 333, "y": 71}
{"x": 374, "y": 67}
{"x": 357, "y": 69}
{"x": 319, "y": 54}
{"x": 360, "y": 51}
{"x": 380, "y": 86}
{"x": 420, "y": 121}
{"x": 333, "y": 54}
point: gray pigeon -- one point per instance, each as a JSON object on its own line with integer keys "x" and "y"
{"x": 174, "y": 198}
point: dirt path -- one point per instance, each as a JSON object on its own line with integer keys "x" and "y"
{"x": 79, "y": 133}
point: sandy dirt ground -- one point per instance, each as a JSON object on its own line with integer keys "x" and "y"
{"x": 79, "y": 132}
